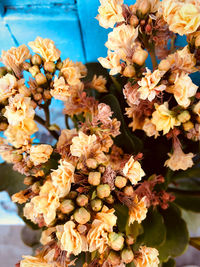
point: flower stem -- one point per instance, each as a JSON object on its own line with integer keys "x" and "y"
{"x": 153, "y": 58}
{"x": 43, "y": 123}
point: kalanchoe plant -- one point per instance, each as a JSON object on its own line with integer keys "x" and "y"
{"x": 103, "y": 195}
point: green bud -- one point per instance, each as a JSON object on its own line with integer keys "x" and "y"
{"x": 127, "y": 255}
{"x": 120, "y": 181}
{"x": 103, "y": 190}
{"x": 96, "y": 204}
{"x": 72, "y": 195}
{"x": 128, "y": 190}
{"x": 82, "y": 200}
{"x": 34, "y": 70}
{"x": 113, "y": 258}
{"x": 110, "y": 199}
{"x": 50, "y": 67}
{"x": 130, "y": 240}
{"x": 184, "y": 116}
{"x": 94, "y": 178}
{"x": 82, "y": 216}
{"x": 91, "y": 163}
{"x": 67, "y": 206}
{"x": 116, "y": 241}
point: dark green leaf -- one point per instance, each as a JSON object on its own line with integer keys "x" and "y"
{"x": 193, "y": 172}
{"x": 154, "y": 229}
{"x": 121, "y": 212}
{"x": 126, "y": 140}
{"x": 95, "y": 68}
{"x": 131, "y": 264}
{"x": 189, "y": 200}
{"x": 134, "y": 229}
{"x": 177, "y": 237}
{"x": 169, "y": 263}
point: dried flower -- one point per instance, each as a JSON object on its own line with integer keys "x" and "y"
{"x": 133, "y": 171}
{"x": 150, "y": 128}
{"x": 147, "y": 257}
{"x": 99, "y": 83}
{"x": 30, "y": 261}
{"x": 112, "y": 62}
{"x": 61, "y": 89}
{"x": 8, "y": 85}
{"x": 40, "y": 154}
{"x": 138, "y": 211}
{"x": 46, "y": 48}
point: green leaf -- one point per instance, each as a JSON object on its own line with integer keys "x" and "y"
{"x": 193, "y": 172}
{"x": 188, "y": 200}
{"x": 121, "y": 211}
{"x": 154, "y": 229}
{"x": 126, "y": 140}
{"x": 177, "y": 237}
{"x": 169, "y": 263}
{"x": 134, "y": 229}
{"x": 130, "y": 264}
{"x": 195, "y": 242}
{"x": 95, "y": 68}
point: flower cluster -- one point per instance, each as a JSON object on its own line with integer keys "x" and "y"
{"x": 164, "y": 101}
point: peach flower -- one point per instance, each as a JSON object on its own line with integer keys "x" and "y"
{"x": 112, "y": 62}
{"x": 61, "y": 89}
{"x": 99, "y": 83}
{"x": 147, "y": 257}
{"x": 40, "y": 154}
{"x": 8, "y": 85}
{"x": 138, "y": 211}
{"x": 30, "y": 261}
{"x": 133, "y": 171}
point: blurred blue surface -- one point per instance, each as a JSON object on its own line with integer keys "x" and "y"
{"x": 76, "y": 32}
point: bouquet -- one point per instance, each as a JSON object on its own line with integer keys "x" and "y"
{"x": 113, "y": 187}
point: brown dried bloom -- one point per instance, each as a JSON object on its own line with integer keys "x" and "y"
{"x": 40, "y": 154}
{"x": 46, "y": 48}
{"x": 14, "y": 58}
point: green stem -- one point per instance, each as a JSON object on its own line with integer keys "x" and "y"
{"x": 116, "y": 83}
{"x": 43, "y": 123}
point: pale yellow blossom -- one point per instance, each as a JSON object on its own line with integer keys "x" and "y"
{"x": 183, "y": 89}
{"x": 110, "y": 13}
{"x": 65, "y": 137}
{"x": 138, "y": 211}
{"x": 46, "y": 48}
{"x": 148, "y": 257}
{"x": 40, "y": 153}
{"x": 112, "y": 62}
{"x": 164, "y": 119}
{"x": 8, "y": 85}
{"x": 149, "y": 87}
{"x": 63, "y": 177}
{"x": 179, "y": 160}
{"x": 61, "y": 89}
{"x": 107, "y": 216}
{"x": 19, "y": 109}
{"x": 30, "y": 261}
{"x": 154, "y": 5}
{"x": 133, "y": 171}
{"x": 182, "y": 17}
{"x": 150, "y": 128}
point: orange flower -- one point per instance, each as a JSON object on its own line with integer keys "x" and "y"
{"x": 147, "y": 257}
{"x": 139, "y": 210}
{"x": 40, "y": 154}
{"x": 133, "y": 171}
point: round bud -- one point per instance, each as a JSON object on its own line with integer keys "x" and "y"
{"x": 129, "y": 71}
{"x": 67, "y": 206}
{"x": 184, "y": 116}
{"x": 128, "y": 190}
{"x": 36, "y": 188}
{"x": 25, "y": 66}
{"x": 101, "y": 169}
{"x": 144, "y": 7}
{"x": 94, "y": 178}
{"x": 91, "y": 163}
{"x": 110, "y": 199}
{"x": 113, "y": 258}
{"x": 120, "y": 181}
{"x": 96, "y": 204}
{"x": 82, "y": 216}
{"x": 130, "y": 240}
{"x": 36, "y": 59}
{"x": 188, "y": 126}
{"x": 72, "y": 195}
{"x": 47, "y": 94}
{"x": 82, "y": 229}
{"x": 82, "y": 200}
{"x": 3, "y": 126}
{"x": 40, "y": 78}
{"x": 116, "y": 241}
{"x": 140, "y": 56}
{"x": 34, "y": 70}
{"x": 28, "y": 180}
{"x": 134, "y": 21}
{"x": 103, "y": 190}
{"x": 50, "y": 67}
{"x": 164, "y": 65}
{"x": 127, "y": 255}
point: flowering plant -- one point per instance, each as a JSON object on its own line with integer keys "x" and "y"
{"x": 101, "y": 193}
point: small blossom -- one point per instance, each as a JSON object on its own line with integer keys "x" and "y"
{"x": 112, "y": 62}
{"x": 63, "y": 177}
{"x": 133, "y": 171}
{"x": 104, "y": 113}
{"x": 19, "y": 109}
{"x": 183, "y": 89}
{"x": 110, "y": 13}
{"x": 164, "y": 119}
{"x": 46, "y": 48}
{"x": 149, "y": 87}
{"x": 147, "y": 257}
{"x": 61, "y": 89}
{"x": 8, "y": 85}
{"x": 99, "y": 83}
{"x": 107, "y": 216}
{"x": 150, "y": 129}
{"x": 138, "y": 211}
{"x": 40, "y": 154}
{"x": 179, "y": 160}
{"x": 70, "y": 238}
{"x": 46, "y": 235}
{"x": 30, "y": 261}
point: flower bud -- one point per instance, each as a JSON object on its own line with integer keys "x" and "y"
{"x": 82, "y": 216}
{"x": 50, "y": 66}
{"x": 120, "y": 181}
{"x": 72, "y": 195}
{"x": 47, "y": 94}
{"x": 59, "y": 65}
{"x": 184, "y": 116}
{"x": 36, "y": 188}
{"x": 116, "y": 241}
{"x": 127, "y": 255}
{"x": 3, "y": 126}
{"x": 28, "y": 180}
{"x": 37, "y": 97}
{"x": 101, "y": 169}
{"x": 40, "y": 78}
{"x": 36, "y": 60}
{"x": 103, "y": 190}
{"x": 130, "y": 240}
{"x": 128, "y": 190}
{"x": 129, "y": 71}
{"x": 82, "y": 200}
{"x": 144, "y": 7}
{"x": 67, "y": 206}
{"x": 172, "y": 78}
{"x": 94, "y": 178}
{"x": 91, "y": 163}
{"x": 96, "y": 204}
{"x": 25, "y": 66}
{"x": 164, "y": 65}
{"x": 140, "y": 56}
{"x": 188, "y": 126}
{"x": 110, "y": 199}
{"x": 134, "y": 21}
{"x": 113, "y": 258}
{"x": 82, "y": 229}
{"x": 34, "y": 70}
